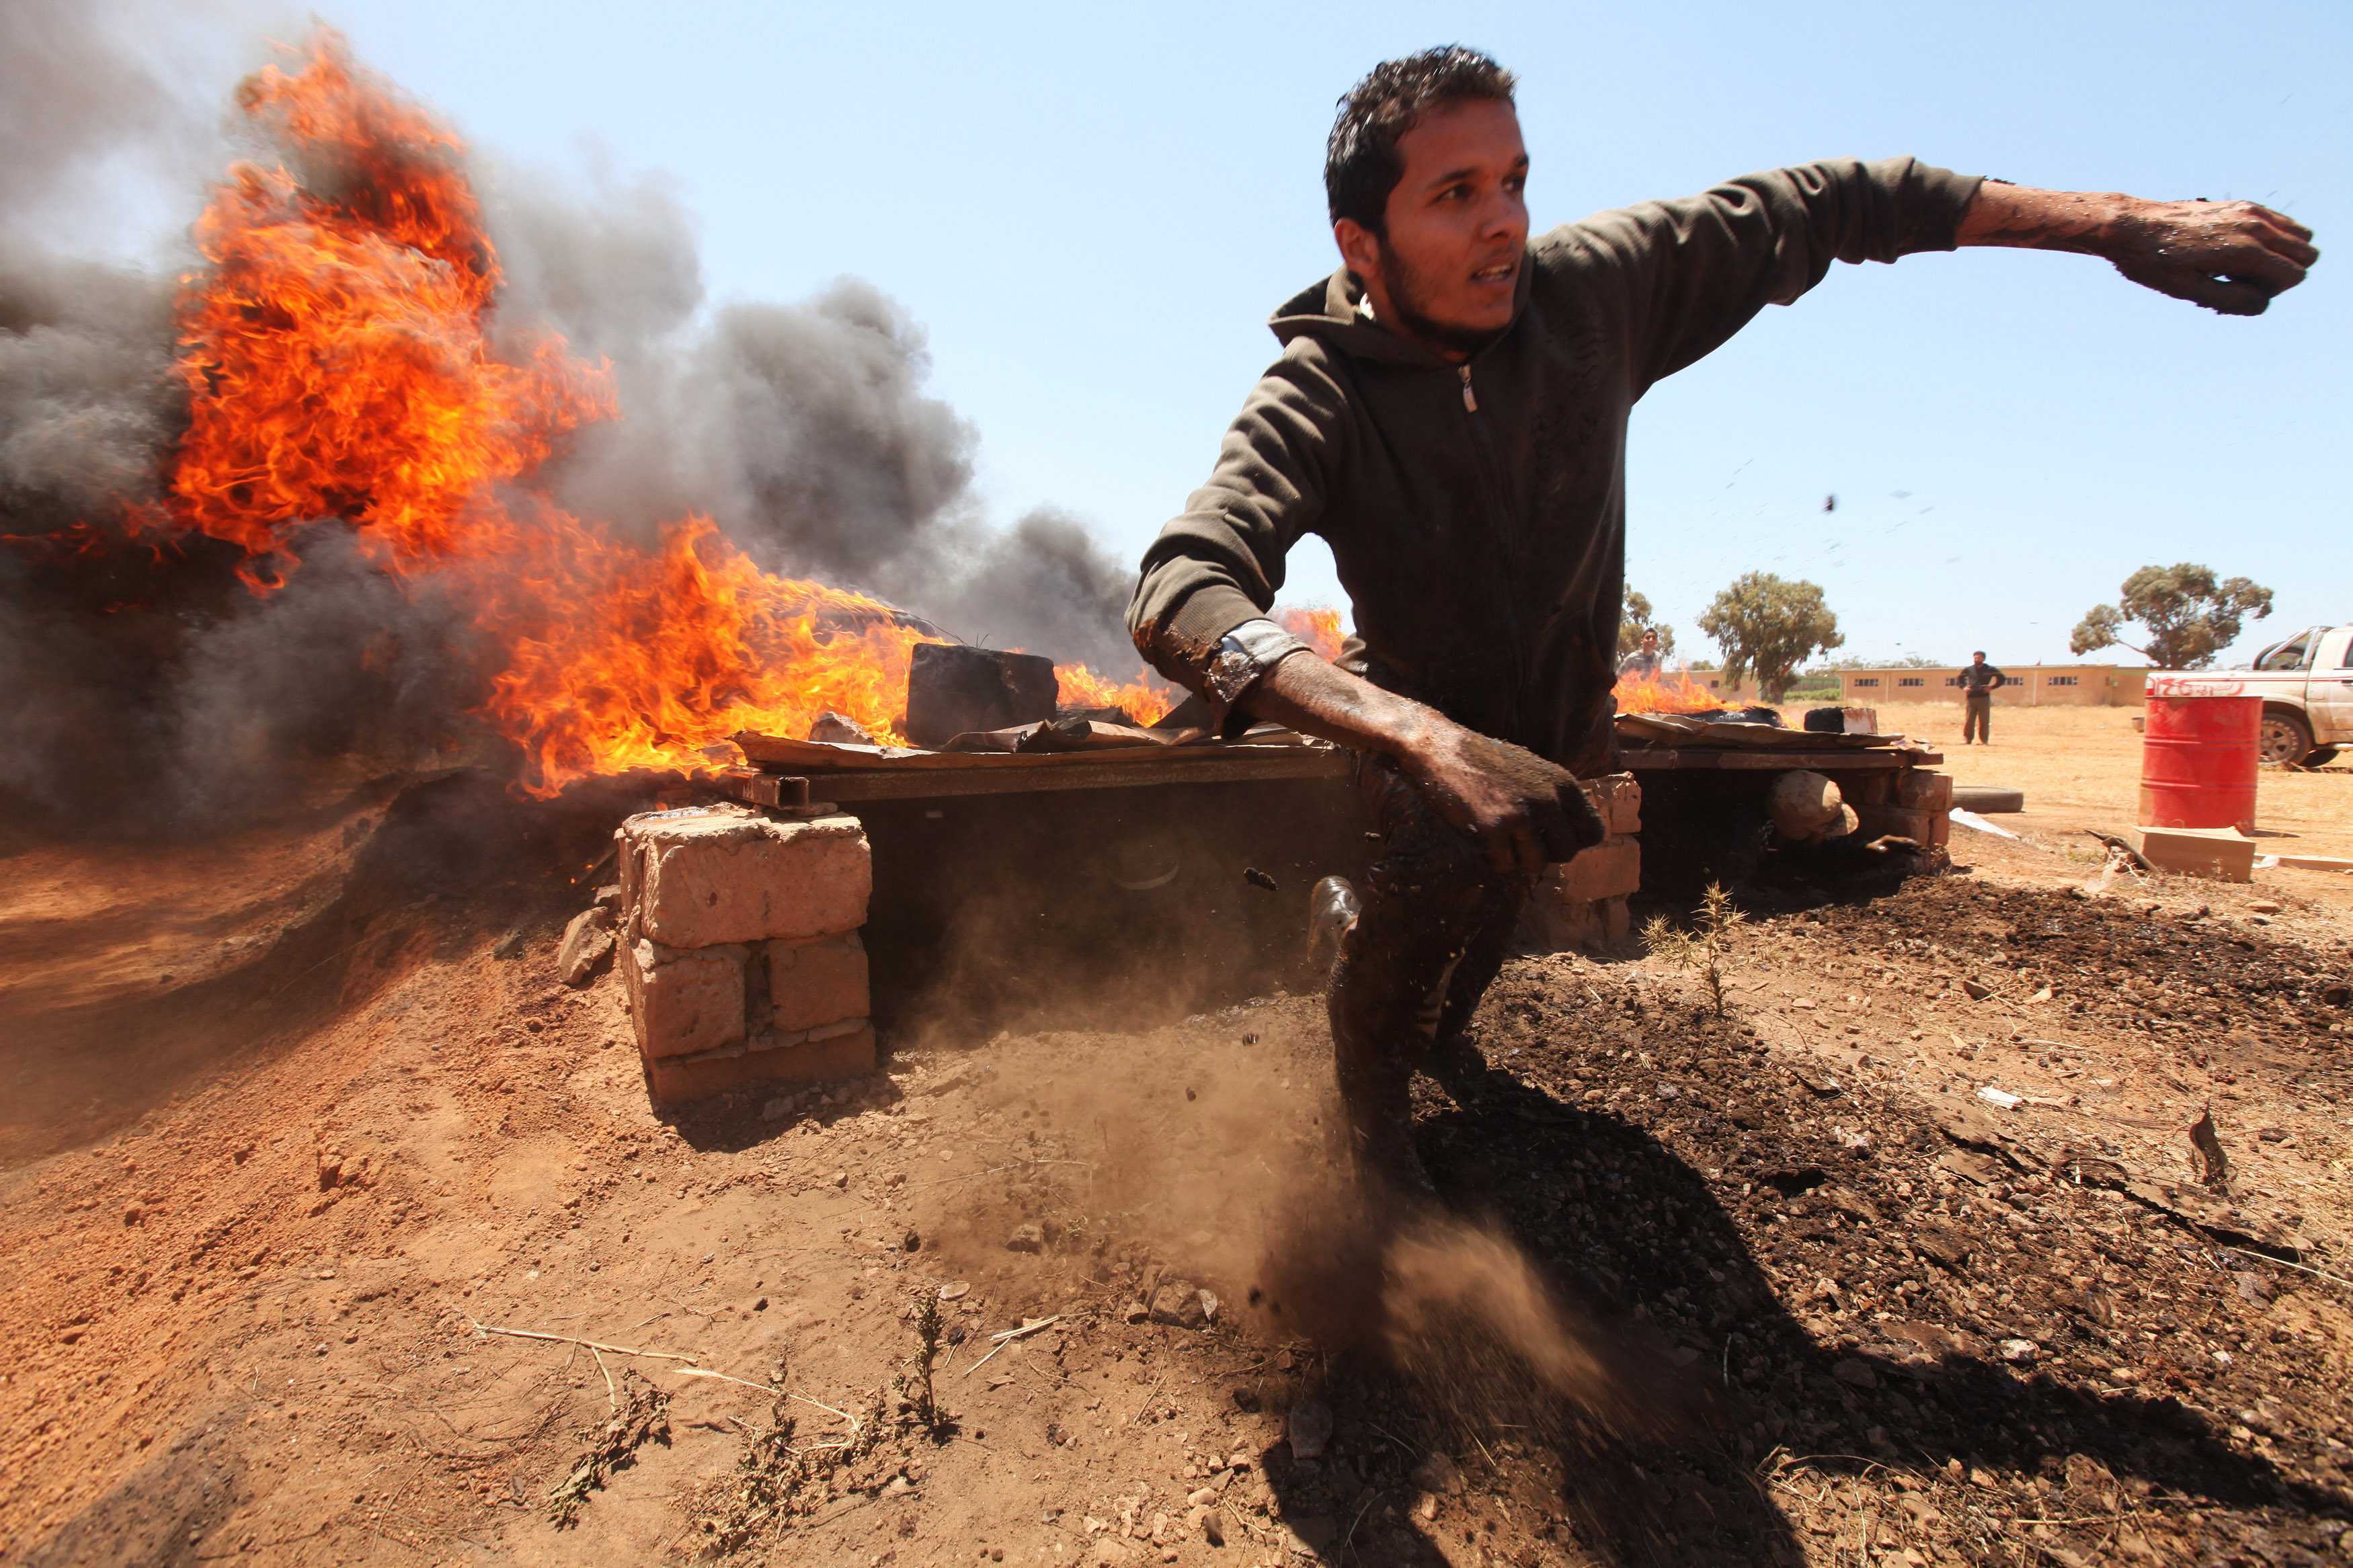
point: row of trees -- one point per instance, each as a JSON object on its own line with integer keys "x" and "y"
{"x": 1767, "y": 625}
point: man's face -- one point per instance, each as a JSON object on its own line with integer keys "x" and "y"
{"x": 1976, "y": 659}
{"x": 1448, "y": 270}
{"x": 1650, "y": 642}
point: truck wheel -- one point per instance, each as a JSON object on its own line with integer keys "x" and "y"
{"x": 2286, "y": 740}
{"x": 1987, "y": 800}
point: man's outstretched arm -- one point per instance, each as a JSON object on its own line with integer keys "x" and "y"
{"x": 2231, "y": 257}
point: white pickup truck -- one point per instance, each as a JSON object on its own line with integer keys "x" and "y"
{"x": 2307, "y": 685}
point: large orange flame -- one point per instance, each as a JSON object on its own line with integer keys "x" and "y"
{"x": 339, "y": 364}
{"x": 1146, "y": 699}
{"x": 1665, "y": 693}
{"x": 1318, "y": 629}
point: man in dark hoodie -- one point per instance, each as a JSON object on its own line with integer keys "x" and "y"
{"x": 1449, "y": 413}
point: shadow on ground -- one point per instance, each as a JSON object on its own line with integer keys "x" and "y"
{"x": 1621, "y": 1222}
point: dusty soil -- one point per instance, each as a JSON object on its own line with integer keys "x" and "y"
{"x": 1816, "y": 1299}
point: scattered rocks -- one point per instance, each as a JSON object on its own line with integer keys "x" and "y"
{"x": 1308, "y": 1427}
{"x": 1182, "y": 1304}
{"x": 1028, "y": 1236}
{"x": 1439, "y": 1473}
{"x": 510, "y": 946}
{"x": 588, "y": 946}
{"x": 2019, "y": 1351}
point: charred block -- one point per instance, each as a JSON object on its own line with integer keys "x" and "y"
{"x": 952, "y": 688}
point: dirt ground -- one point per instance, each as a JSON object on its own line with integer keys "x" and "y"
{"x": 2080, "y": 768}
{"x": 288, "y": 1150}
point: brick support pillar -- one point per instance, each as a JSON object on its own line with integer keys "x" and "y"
{"x": 739, "y": 946}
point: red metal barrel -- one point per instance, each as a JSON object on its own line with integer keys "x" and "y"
{"x": 2197, "y": 754}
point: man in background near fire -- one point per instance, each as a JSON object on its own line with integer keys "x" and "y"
{"x": 1449, "y": 412}
{"x": 1978, "y": 683}
{"x": 1644, "y": 663}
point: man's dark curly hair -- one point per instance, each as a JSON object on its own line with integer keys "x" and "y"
{"x": 1361, "y": 165}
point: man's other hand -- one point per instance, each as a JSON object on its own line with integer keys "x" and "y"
{"x": 2231, "y": 257}
{"x": 1526, "y": 812}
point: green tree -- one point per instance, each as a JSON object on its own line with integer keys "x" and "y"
{"x": 1634, "y": 620}
{"x": 2190, "y": 616}
{"x": 1767, "y": 626}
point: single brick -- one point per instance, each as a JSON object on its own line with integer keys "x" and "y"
{"x": 706, "y": 875}
{"x": 839, "y": 1050}
{"x": 816, "y": 982}
{"x": 1924, "y": 791}
{"x": 1607, "y": 870}
{"x": 683, "y": 1000}
{"x": 1618, "y": 797}
{"x": 1616, "y": 921}
{"x": 2222, "y": 854}
{"x": 1559, "y": 925}
{"x": 1926, "y": 828}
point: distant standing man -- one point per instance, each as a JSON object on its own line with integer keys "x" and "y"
{"x": 1449, "y": 413}
{"x": 1642, "y": 664}
{"x": 1978, "y": 683}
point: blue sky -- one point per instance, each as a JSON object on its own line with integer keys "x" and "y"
{"x": 1092, "y": 208}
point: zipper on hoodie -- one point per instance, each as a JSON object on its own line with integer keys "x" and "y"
{"x": 1506, "y": 545}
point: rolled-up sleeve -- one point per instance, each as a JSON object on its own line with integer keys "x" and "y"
{"x": 1215, "y": 568}
{"x": 1698, "y": 270}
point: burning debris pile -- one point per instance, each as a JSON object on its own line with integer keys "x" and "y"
{"x": 373, "y": 498}
{"x": 1666, "y": 692}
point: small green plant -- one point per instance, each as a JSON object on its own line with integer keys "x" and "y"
{"x": 1704, "y": 947}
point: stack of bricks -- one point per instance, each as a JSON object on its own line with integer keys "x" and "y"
{"x": 739, "y": 946}
{"x": 1582, "y": 904}
{"x": 1914, "y": 804}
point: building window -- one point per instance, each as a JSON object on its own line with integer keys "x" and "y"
{"x": 2059, "y": 680}
{"x": 1952, "y": 680}
{"x": 1868, "y": 680}
{"x": 1910, "y": 680}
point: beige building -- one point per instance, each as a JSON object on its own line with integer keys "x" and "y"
{"x": 1732, "y": 693}
{"x": 2031, "y": 685}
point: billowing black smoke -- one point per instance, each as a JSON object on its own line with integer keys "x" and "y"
{"x": 141, "y": 684}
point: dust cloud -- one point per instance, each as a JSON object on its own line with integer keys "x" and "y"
{"x": 1206, "y": 1153}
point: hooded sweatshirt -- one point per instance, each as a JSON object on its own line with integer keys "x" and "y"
{"x": 1476, "y": 512}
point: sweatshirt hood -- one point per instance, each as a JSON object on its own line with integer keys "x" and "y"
{"x": 1331, "y": 311}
